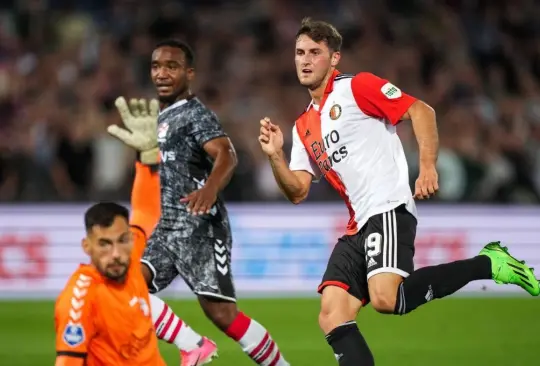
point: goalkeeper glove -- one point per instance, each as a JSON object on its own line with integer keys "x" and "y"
{"x": 140, "y": 120}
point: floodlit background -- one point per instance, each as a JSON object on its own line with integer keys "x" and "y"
{"x": 62, "y": 64}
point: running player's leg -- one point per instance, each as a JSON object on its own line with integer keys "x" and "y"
{"x": 393, "y": 286}
{"x": 207, "y": 271}
{"x": 435, "y": 282}
{"x": 344, "y": 291}
{"x": 389, "y": 247}
{"x": 159, "y": 271}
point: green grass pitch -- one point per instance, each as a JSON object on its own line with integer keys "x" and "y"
{"x": 455, "y": 331}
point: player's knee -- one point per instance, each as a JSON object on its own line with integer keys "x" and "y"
{"x": 222, "y": 314}
{"x": 383, "y": 303}
{"x": 383, "y": 292}
{"x": 328, "y": 319}
{"x": 223, "y": 317}
{"x": 337, "y": 307}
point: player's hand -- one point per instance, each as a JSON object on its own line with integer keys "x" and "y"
{"x": 140, "y": 120}
{"x": 427, "y": 183}
{"x": 270, "y": 137}
{"x": 201, "y": 201}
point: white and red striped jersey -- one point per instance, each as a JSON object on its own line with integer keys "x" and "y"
{"x": 351, "y": 140}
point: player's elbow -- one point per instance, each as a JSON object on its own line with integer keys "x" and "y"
{"x": 230, "y": 157}
{"x": 421, "y": 110}
{"x": 296, "y": 200}
{"x": 231, "y": 153}
{"x": 234, "y": 159}
{"x": 298, "y": 196}
{"x": 299, "y": 190}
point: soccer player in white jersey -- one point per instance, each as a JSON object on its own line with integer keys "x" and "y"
{"x": 347, "y": 135}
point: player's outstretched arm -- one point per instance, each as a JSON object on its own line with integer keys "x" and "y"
{"x": 140, "y": 133}
{"x": 294, "y": 184}
{"x": 145, "y": 204}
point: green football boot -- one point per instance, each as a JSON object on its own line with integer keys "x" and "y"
{"x": 508, "y": 270}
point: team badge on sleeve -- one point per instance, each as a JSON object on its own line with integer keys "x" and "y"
{"x": 391, "y": 91}
{"x": 73, "y": 335}
{"x": 335, "y": 111}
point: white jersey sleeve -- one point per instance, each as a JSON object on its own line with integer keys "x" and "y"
{"x": 300, "y": 159}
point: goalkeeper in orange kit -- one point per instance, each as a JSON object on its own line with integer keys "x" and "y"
{"x": 104, "y": 315}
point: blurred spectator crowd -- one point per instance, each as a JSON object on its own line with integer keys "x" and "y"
{"x": 62, "y": 64}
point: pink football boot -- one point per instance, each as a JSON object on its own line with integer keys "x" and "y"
{"x": 200, "y": 356}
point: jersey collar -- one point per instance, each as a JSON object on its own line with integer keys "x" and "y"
{"x": 177, "y": 104}
{"x": 327, "y": 90}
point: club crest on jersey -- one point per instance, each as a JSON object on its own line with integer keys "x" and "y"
{"x": 335, "y": 111}
{"x": 73, "y": 335}
{"x": 391, "y": 91}
{"x": 162, "y": 131}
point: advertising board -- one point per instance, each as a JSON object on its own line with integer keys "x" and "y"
{"x": 279, "y": 250}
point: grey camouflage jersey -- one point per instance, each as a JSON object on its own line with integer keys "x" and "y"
{"x": 183, "y": 129}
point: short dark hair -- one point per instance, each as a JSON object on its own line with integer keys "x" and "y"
{"x": 188, "y": 51}
{"x": 320, "y": 31}
{"x": 103, "y": 214}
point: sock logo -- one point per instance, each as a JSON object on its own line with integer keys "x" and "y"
{"x": 220, "y": 254}
{"x": 429, "y": 294}
{"x": 338, "y": 357}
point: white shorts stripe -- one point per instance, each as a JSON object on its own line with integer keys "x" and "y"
{"x": 385, "y": 241}
{"x": 390, "y": 238}
{"x": 389, "y": 253}
{"x": 387, "y": 256}
{"x": 395, "y": 253}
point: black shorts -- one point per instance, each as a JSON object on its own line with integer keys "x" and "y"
{"x": 385, "y": 244}
{"x": 203, "y": 262}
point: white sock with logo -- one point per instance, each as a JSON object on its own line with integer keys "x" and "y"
{"x": 170, "y": 328}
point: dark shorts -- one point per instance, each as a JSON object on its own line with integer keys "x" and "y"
{"x": 204, "y": 263}
{"x": 385, "y": 244}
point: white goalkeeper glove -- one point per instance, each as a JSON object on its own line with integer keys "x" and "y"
{"x": 140, "y": 120}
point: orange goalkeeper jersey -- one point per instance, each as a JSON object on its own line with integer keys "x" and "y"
{"x": 102, "y": 323}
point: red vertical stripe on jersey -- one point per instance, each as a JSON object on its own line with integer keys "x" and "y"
{"x": 328, "y": 89}
{"x": 309, "y": 130}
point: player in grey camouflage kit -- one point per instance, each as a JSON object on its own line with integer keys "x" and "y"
{"x": 192, "y": 214}
{"x": 193, "y": 237}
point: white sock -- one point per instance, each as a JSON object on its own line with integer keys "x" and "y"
{"x": 255, "y": 341}
{"x": 170, "y": 328}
